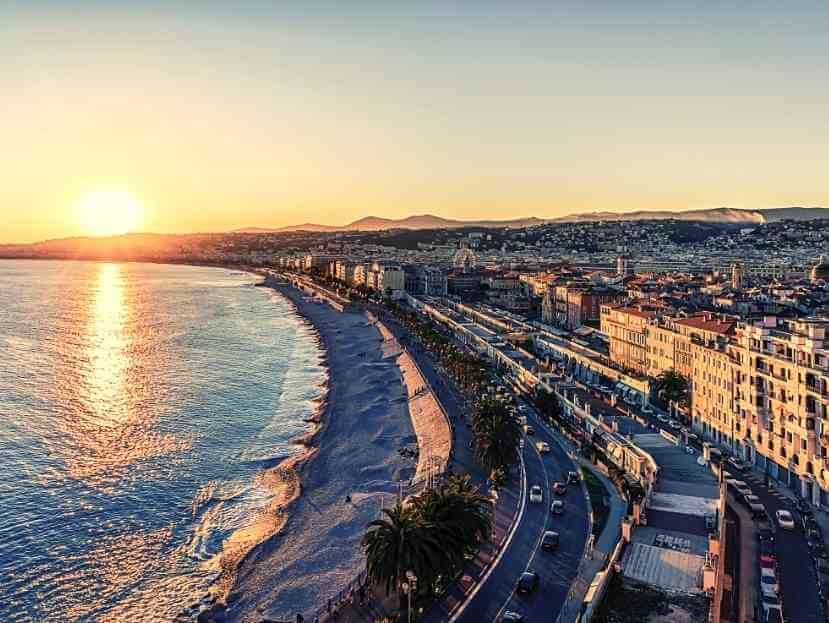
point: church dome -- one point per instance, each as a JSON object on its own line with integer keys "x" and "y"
{"x": 464, "y": 259}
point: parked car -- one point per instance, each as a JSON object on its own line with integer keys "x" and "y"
{"x": 785, "y": 519}
{"x": 767, "y": 550}
{"x": 744, "y": 492}
{"x": 646, "y": 409}
{"x": 557, "y": 507}
{"x": 663, "y": 418}
{"x": 772, "y": 609}
{"x": 559, "y": 488}
{"x": 765, "y": 534}
{"x": 550, "y": 540}
{"x": 543, "y": 447}
{"x": 512, "y": 617}
{"x": 768, "y": 582}
{"x": 572, "y": 478}
{"x": 536, "y": 496}
{"x": 736, "y": 463}
{"x": 528, "y": 582}
{"x": 674, "y": 424}
{"x": 757, "y": 510}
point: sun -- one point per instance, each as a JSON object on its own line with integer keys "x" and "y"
{"x": 109, "y": 213}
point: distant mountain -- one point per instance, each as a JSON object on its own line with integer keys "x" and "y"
{"x": 421, "y": 221}
{"x": 429, "y": 221}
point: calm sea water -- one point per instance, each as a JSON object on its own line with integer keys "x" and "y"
{"x": 138, "y": 404}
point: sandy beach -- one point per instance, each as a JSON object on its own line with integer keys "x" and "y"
{"x": 353, "y": 453}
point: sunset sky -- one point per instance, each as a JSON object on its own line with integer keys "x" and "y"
{"x": 219, "y": 115}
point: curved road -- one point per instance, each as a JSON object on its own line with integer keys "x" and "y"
{"x": 557, "y": 569}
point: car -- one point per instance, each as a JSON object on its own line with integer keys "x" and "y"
{"x": 663, "y": 418}
{"x": 674, "y": 424}
{"x": 646, "y": 409}
{"x": 736, "y": 463}
{"x": 750, "y": 498}
{"x": 767, "y": 550}
{"x": 757, "y": 510}
{"x": 689, "y": 450}
{"x": 785, "y": 519}
{"x": 765, "y": 534}
{"x": 573, "y": 478}
{"x": 549, "y": 540}
{"x": 543, "y": 447}
{"x": 536, "y": 496}
{"x": 768, "y": 582}
{"x": 529, "y": 430}
{"x": 692, "y": 437}
{"x": 557, "y": 507}
{"x": 772, "y": 608}
{"x": 511, "y": 617}
{"x": 768, "y": 563}
{"x": 559, "y": 488}
{"x": 528, "y": 582}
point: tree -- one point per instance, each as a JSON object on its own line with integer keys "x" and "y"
{"x": 496, "y": 433}
{"x": 400, "y": 542}
{"x": 548, "y": 404}
{"x": 460, "y": 517}
{"x": 672, "y": 386}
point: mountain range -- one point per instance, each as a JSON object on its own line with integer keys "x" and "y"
{"x": 429, "y": 221}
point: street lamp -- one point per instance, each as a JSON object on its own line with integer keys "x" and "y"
{"x": 409, "y": 588}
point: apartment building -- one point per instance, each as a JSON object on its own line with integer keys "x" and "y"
{"x": 670, "y": 340}
{"x": 626, "y": 328}
{"x": 390, "y": 278}
{"x": 573, "y": 305}
{"x": 782, "y": 398}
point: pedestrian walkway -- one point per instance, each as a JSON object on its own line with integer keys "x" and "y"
{"x": 376, "y": 605}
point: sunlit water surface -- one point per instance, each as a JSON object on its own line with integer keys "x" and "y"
{"x": 138, "y": 403}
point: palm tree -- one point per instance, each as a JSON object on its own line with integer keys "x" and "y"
{"x": 497, "y": 435}
{"x": 460, "y": 517}
{"x": 401, "y": 542}
{"x": 672, "y": 386}
{"x": 548, "y": 404}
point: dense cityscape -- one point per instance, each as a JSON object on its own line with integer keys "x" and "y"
{"x": 688, "y": 364}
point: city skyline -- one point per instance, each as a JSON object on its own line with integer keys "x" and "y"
{"x": 214, "y": 119}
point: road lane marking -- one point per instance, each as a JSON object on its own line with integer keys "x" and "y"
{"x": 462, "y": 606}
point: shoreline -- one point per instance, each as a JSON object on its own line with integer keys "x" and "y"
{"x": 241, "y": 585}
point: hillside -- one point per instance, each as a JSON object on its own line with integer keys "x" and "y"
{"x": 429, "y": 221}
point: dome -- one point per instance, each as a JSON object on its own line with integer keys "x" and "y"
{"x": 464, "y": 259}
{"x": 820, "y": 271}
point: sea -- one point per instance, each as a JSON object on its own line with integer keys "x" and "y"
{"x": 139, "y": 405}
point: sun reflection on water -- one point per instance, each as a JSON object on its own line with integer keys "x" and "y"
{"x": 108, "y": 350}
{"x": 114, "y": 385}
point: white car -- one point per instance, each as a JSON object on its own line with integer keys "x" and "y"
{"x": 674, "y": 424}
{"x": 557, "y": 507}
{"x": 785, "y": 520}
{"x": 543, "y": 447}
{"x": 768, "y": 582}
{"x": 536, "y": 495}
{"x": 662, "y": 418}
{"x": 647, "y": 409}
